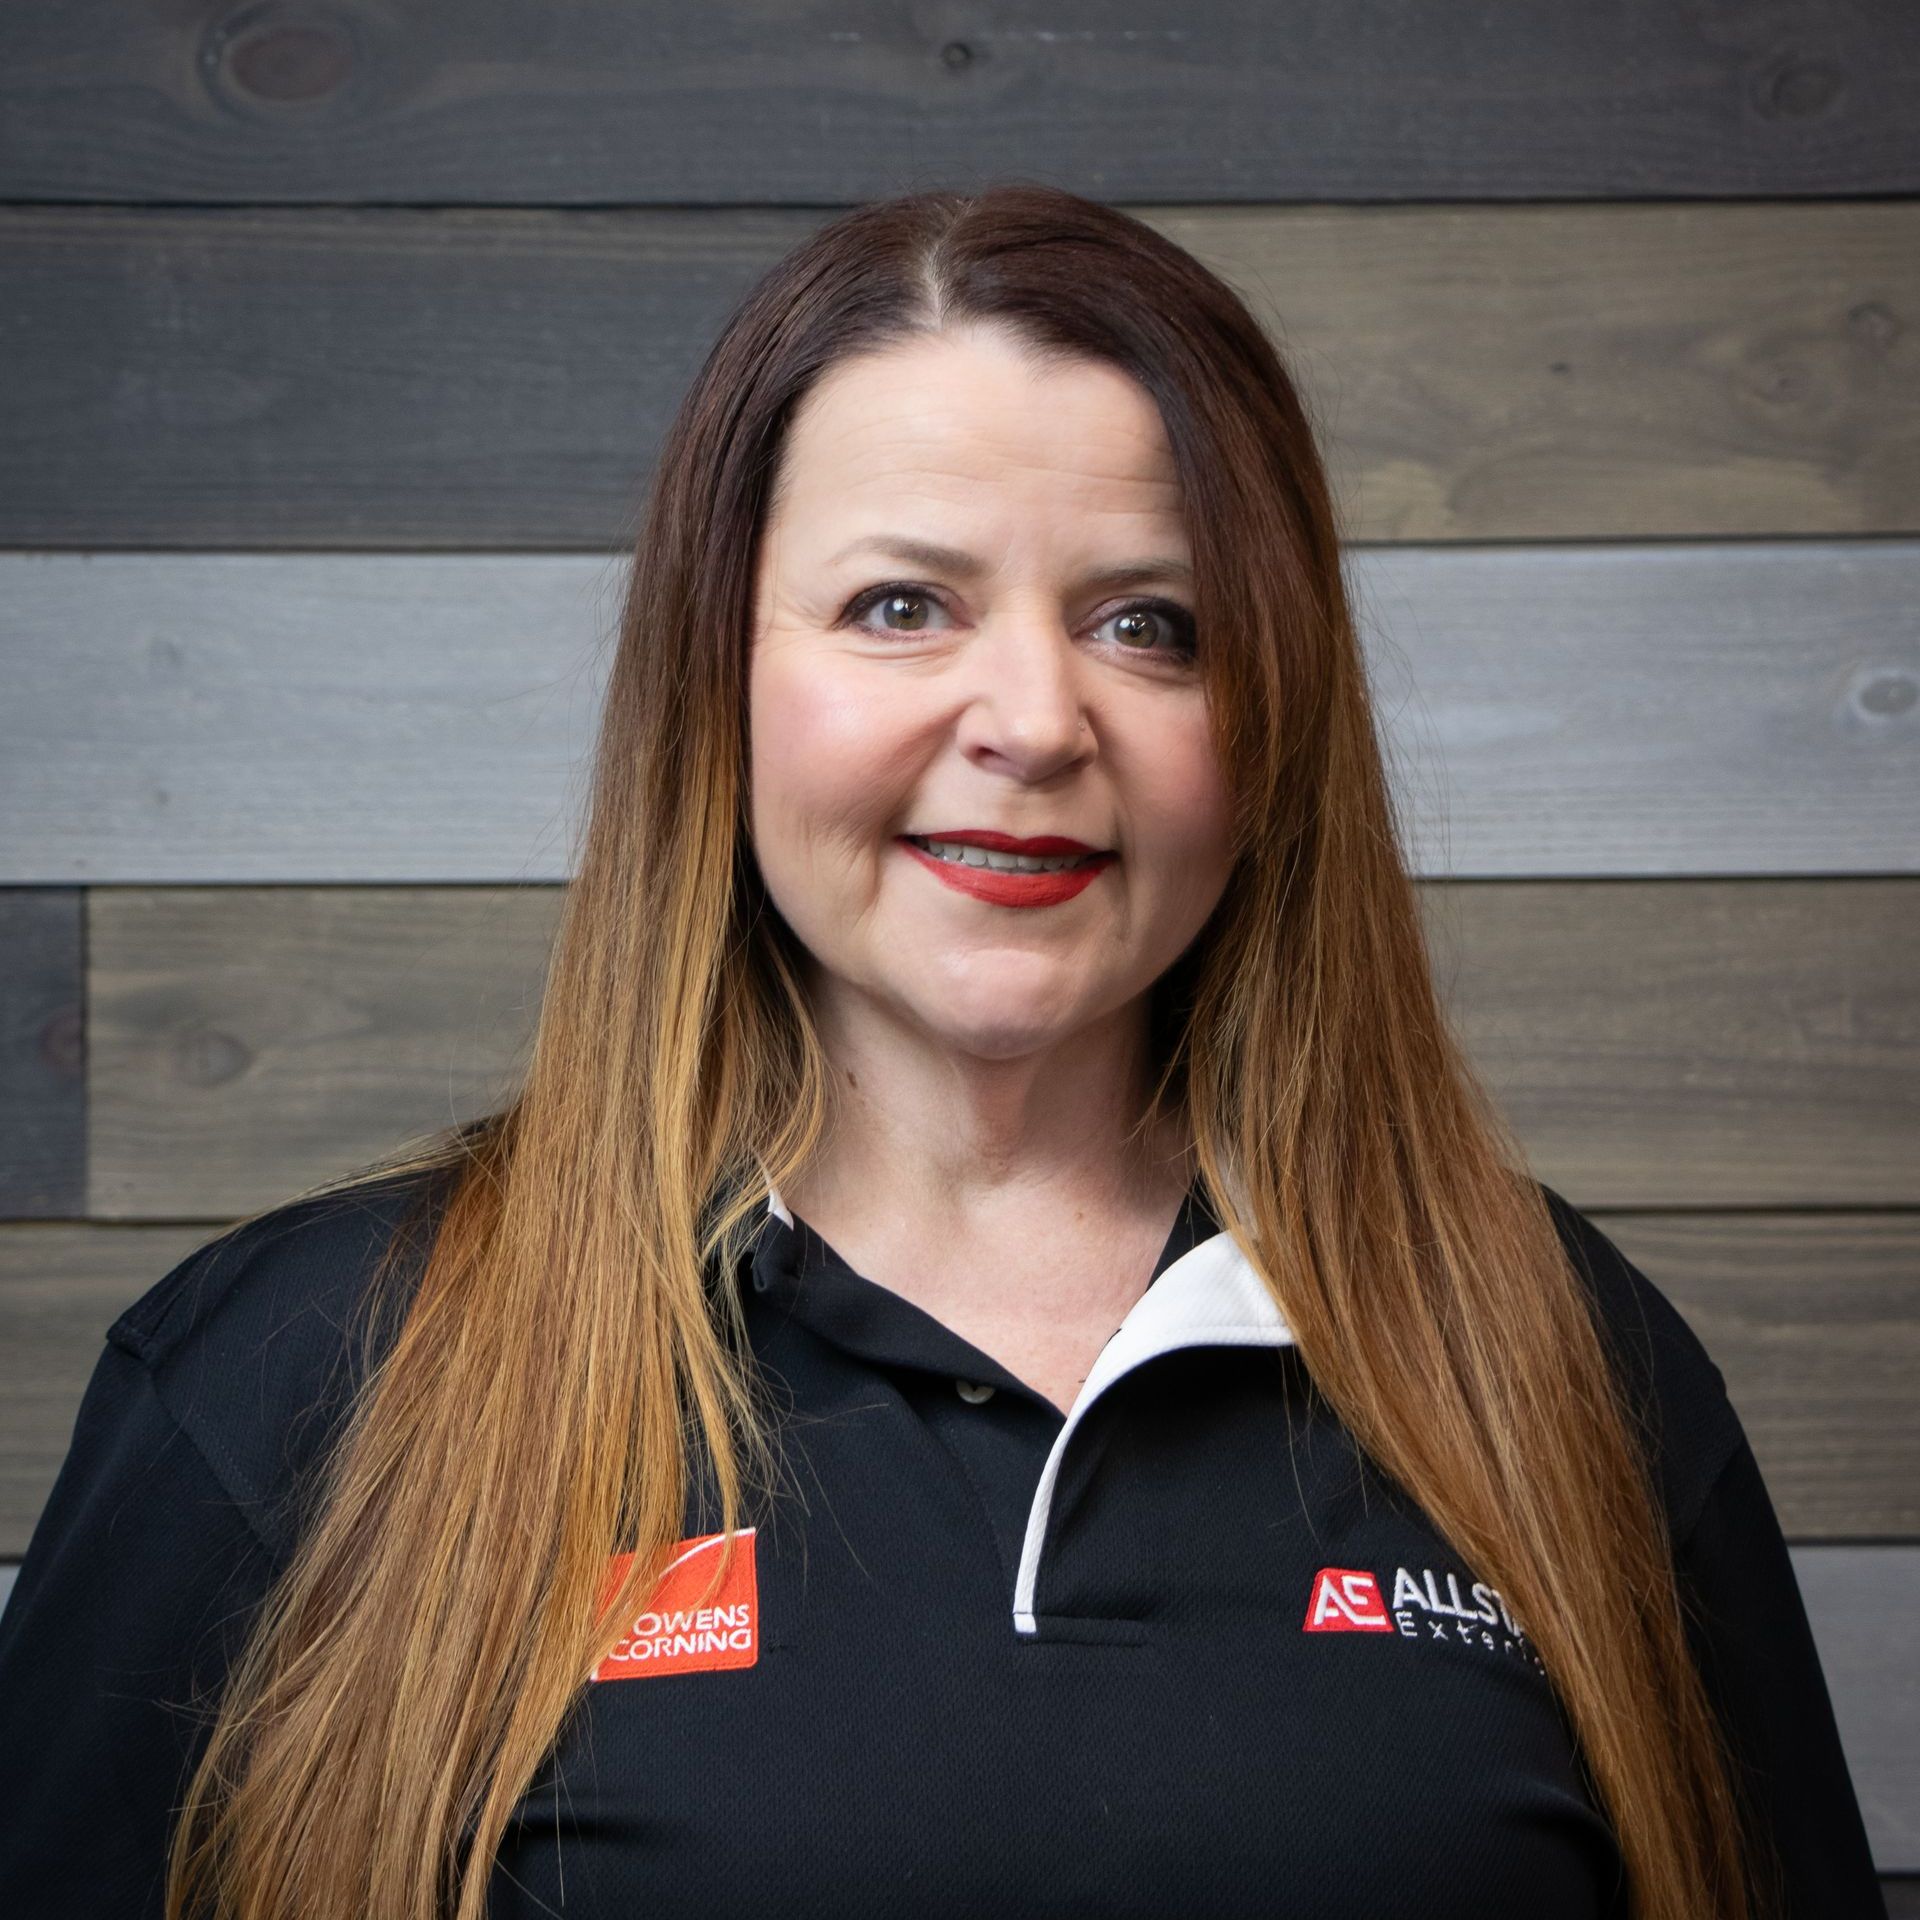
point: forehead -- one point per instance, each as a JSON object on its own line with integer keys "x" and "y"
{"x": 946, "y": 419}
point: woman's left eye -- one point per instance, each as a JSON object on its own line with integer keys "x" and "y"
{"x": 1136, "y": 636}
{"x": 1176, "y": 619}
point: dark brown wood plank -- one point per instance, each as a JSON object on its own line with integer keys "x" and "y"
{"x": 1616, "y": 372}
{"x": 1657, "y": 1044}
{"x": 262, "y": 379}
{"x": 1366, "y": 100}
{"x": 1814, "y": 1319}
{"x": 339, "y": 1020}
{"x": 1714, "y": 708}
{"x": 1695, "y": 1043}
{"x": 43, "y": 1119}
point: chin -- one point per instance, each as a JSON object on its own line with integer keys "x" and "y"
{"x": 997, "y": 1029}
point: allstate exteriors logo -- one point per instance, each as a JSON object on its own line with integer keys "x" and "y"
{"x": 1347, "y": 1600}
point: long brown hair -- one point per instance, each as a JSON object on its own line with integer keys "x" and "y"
{"x": 563, "y": 1351}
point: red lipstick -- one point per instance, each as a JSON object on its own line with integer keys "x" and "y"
{"x": 1003, "y": 889}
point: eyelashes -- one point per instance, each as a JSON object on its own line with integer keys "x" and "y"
{"x": 1184, "y": 645}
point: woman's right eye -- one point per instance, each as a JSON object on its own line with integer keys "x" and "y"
{"x": 892, "y": 597}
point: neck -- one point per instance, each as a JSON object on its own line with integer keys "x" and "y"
{"x": 969, "y": 1135}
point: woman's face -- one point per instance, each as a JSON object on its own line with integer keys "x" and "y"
{"x": 1002, "y": 687}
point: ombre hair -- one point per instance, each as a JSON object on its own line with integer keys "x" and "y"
{"x": 563, "y": 1357}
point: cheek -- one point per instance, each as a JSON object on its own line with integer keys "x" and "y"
{"x": 1181, "y": 808}
{"x": 826, "y": 758}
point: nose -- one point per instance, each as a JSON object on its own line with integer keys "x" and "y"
{"x": 1027, "y": 705}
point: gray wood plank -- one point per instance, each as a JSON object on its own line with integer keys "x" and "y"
{"x": 1729, "y": 708}
{"x": 363, "y": 717}
{"x": 1864, "y": 1605}
{"x": 43, "y": 1119}
{"x": 1862, "y": 1602}
{"x": 1718, "y": 708}
{"x": 273, "y": 379}
{"x": 1813, "y": 1319}
{"x": 743, "y": 103}
{"x": 1685, "y": 1043}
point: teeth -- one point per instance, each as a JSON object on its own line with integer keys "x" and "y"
{"x": 1001, "y": 862}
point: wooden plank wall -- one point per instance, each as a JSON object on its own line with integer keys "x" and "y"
{"x": 340, "y": 341}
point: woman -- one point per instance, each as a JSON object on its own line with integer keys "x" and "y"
{"x": 999, "y": 1360}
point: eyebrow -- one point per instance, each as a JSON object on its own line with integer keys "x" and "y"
{"x": 967, "y": 566}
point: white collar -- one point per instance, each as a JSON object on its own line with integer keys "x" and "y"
{"x": 1212, "y": 1296}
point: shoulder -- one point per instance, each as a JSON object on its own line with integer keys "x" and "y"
{"x": 1678, "y": 1395}
{"x": 256, "y": 1342}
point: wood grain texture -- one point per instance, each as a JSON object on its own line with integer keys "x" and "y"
{"x": 1814, "y": 1319}
{"x": 1643, "y": 711}
{"x": 43, "y": 1147}
{"x": 1657, "y": 1044}
{"x": 1719, "y": 708}
{"x": 327, "y": 1022}
{"x": 1595, "y": 372}
{"x": 277, "y": 379}
{"x": 1746, "y": 1043}
{"x": 307, "y": 717}
{"x": 1365, "y": 100}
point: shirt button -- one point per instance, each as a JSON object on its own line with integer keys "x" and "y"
{"x": 972, "y": 1393}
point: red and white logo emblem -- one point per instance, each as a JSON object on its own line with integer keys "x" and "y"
{"x": 1346, "y": 1600}
{"x": 1349, "y": 1600}
{"x": 680, "y": 1627}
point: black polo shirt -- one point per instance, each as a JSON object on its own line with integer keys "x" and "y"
{"x": 1181, "y": 1651}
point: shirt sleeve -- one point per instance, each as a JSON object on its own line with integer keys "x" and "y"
{"x": 138, "y": 1583}
{"x": 1749, "y": 1631}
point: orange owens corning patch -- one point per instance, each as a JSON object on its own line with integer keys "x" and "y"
{"x": 676, "y": 1629}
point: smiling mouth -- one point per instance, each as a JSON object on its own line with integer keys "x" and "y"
{"x": 958, "y": 854}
